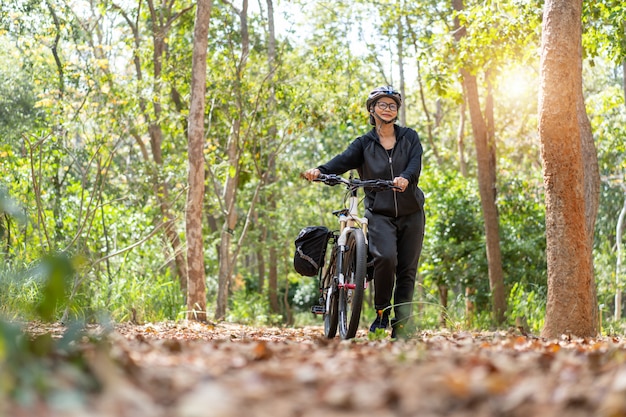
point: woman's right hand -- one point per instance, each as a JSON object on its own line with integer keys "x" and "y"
{"x": 311, "y": 174}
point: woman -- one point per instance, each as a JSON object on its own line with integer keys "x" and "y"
{"x": 396, "y": 218}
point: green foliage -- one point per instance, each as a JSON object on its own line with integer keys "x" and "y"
{"x": 82, "y": 161}
{"x": 527, "y": 305}
{"x": 379, "y": 334}
{"x": 454, "y": 253}
{"x": 497, "y": 32}
{"x": 135, "y": 296}
{"x": 58, "y": 272}
{"x": 29, "y": 364}
{"x": 251, "y": 308}
{"x": 522, "y": 231}
{"x": 604, "y": 31}
{"x": 18, "y": 113}
{"x": 41, "y": 291}
{"x": 303, "y": 293}
{"x": 607, "y": 114}
{"x": 19, "y": 293}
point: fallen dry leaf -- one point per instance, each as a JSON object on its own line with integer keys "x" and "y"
{"x": 192, "y": 369}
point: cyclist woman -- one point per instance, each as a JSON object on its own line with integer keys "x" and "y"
{"x": 396, "y": 218}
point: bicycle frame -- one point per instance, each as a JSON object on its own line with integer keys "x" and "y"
{"x": 349, "y": 220}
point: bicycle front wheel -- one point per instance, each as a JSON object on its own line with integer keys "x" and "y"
{"x": 331, "y": 298}
{"x": 351, "y": 293}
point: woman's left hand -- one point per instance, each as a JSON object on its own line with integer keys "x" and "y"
{"x": 401, "y": 182}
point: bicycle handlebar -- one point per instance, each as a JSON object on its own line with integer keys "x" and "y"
{"x": 354, "y": 183}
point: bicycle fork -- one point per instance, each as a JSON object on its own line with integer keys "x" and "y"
{"x": 339, "y": 281}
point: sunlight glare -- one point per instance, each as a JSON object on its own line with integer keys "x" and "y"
{"x": 516, "y": 83}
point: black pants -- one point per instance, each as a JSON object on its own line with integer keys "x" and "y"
{"x": 395, "y": 244}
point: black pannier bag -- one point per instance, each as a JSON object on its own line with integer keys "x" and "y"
{"x": 310, "y": 250}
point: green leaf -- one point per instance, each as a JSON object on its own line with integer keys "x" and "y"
{"x": 58, "y": 271}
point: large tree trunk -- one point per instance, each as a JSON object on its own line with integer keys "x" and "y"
{"x": 592, "y": 189}
{"x": 571, "y": 304}
{"x": 196, "y": 287}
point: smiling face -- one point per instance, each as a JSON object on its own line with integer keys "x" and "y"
{"x": 386, "y": 108}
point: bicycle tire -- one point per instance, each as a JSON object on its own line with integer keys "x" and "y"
{"x": 331, "y": 315}
{"x": 351, "y": 295}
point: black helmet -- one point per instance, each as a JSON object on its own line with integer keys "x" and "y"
{"x": 379, "y": 92}
{"x": 376, "y": 94}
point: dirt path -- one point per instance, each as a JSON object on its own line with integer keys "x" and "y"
{"x": 225, "y": 370}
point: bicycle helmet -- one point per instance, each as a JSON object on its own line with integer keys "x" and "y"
{"x": 376, "y": 94}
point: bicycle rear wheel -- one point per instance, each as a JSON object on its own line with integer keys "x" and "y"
{"x": 351, "y": 293}
{"x": 331, "y": 314}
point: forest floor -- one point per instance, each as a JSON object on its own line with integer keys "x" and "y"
{"x": 228, "y": 370}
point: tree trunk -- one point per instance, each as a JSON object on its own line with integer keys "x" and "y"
{"x": 571, "y": 305}
{"x": 487, "y": 188}
{"x": 619, "y": 230}
{"x": 624, "y": 77}
{"x": 460, "y": 141}
{"x": 271, "y": 174}
{"x": 159, "y": 39}
{"x": 196, "y": 287}
{"x": 443, "y": 302}
{"x": 429, "y": 121}
{"x": 161, "y": 189}
{"x": 420, "y": 85}
{"x": 401, "y": 69}
{"x": 228, "y": 228}
{"x": 234, "y": 151}
{"x": 273, "y": 281}
{"x": 260, "y": 258}
{"x": 470, "y": 306}
{"x": 592, "y": 188}
{"x": 485, "y": 146}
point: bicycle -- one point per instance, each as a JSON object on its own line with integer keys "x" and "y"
{"x": 342, "y": 283}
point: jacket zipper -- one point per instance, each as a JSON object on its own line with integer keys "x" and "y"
{"x": 395, "y": 197}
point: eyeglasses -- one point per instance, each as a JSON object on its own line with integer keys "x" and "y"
{"x": 383, "y": 106}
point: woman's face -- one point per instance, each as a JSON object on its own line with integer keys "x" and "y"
{"x": 386, "y": 108}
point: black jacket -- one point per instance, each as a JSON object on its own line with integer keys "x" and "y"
{"x": 371, "y": 160}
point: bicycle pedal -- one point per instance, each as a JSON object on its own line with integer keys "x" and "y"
{"x": 318, "y": 309}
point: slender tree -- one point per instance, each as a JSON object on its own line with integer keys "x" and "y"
{"x": 604, "y": 36}
{"x": 619, "y": 231}
{"x": 196, "y": 287}
{"x": 484, "y": 140}
{"x": 234, "y": 151}
{"x": 271, "y": 168}
{"x": 160, "y": 23}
